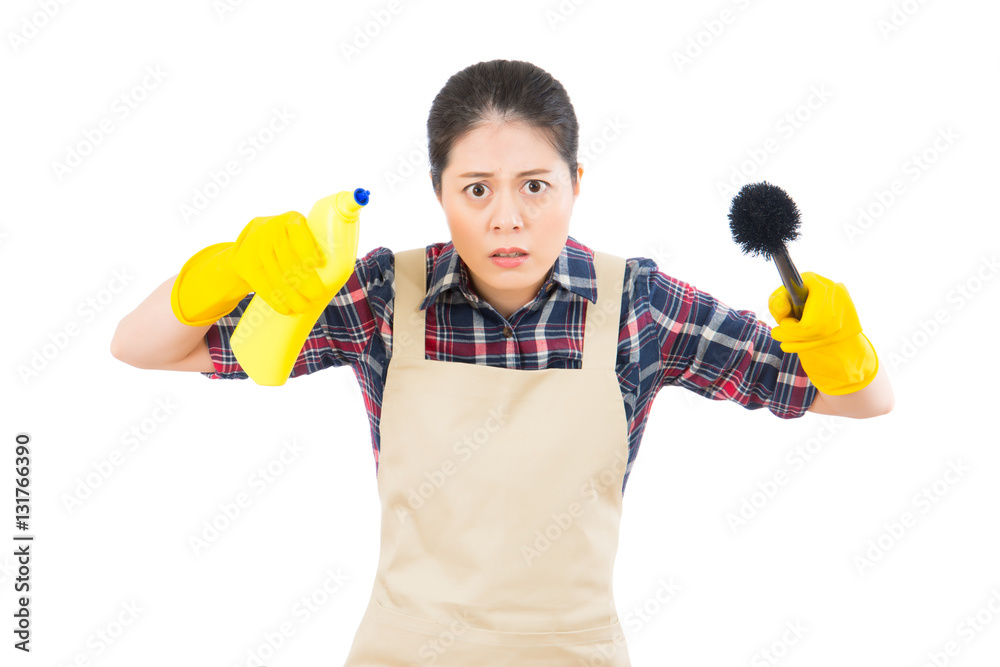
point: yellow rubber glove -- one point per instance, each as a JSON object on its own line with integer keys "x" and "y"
{"x": 274, "y": 256}
{"x": 836, "y": 356}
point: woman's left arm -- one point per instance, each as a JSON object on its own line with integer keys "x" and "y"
{"x": 874, "y": 400}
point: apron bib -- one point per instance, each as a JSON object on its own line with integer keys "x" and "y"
{"x": 501, "y": 494}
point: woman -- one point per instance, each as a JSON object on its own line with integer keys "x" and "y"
{"x": 501, "y": 473}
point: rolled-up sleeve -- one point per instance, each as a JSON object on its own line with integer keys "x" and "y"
{"x": 339, "y": 336}
{"x": 723, "y": 353}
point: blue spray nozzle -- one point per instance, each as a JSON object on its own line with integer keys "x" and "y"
{"x": 361, "y": 196}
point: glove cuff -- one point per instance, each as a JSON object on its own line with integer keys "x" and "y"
{"x": 206, "y": 286}
{"x": 843, "y": 367}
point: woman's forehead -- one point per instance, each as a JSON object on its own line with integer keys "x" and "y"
{"x": 511, "y": 148}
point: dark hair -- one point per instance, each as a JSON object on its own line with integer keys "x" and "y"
{"x": 506, "y": 90}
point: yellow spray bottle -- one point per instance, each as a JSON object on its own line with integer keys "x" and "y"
{"x": 265, "y": 342}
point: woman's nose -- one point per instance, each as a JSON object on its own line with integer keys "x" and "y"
{"x": 507, "y": 213}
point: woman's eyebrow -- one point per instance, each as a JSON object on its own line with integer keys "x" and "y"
{"x": 483, "y": 174}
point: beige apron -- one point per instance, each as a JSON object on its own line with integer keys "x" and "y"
{"x": 501, "y": 494}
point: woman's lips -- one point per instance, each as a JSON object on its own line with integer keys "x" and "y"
{"x": 508, "y": 262}
{"x": 508, "y": 251}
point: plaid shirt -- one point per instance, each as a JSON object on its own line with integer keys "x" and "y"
{"x": 670, "y": 334}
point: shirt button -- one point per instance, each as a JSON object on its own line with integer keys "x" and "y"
{"x": 507, "y": 332}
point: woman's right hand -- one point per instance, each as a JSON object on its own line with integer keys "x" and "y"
{"x": 277, "y": 256}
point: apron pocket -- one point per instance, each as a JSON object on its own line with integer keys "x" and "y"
{"x": 462, "y": 632}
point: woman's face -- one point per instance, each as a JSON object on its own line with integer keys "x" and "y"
{"x": 504, "y": 187}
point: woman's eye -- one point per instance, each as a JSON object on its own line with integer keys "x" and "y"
{"x": 539, "y": 184}
{"x": 477, "y": 189}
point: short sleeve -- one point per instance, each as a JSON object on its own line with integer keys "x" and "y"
{"x": 723, "y": 353}
{"x": 342, "y": 332}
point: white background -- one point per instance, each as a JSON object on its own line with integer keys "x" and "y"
{"x": 662, "y": 137}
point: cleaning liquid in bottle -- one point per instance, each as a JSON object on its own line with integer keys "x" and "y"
{"x": 267, "y": 343}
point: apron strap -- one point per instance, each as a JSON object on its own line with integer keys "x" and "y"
{"x": 410, "y": 283}
{"x": 601, "y": 330}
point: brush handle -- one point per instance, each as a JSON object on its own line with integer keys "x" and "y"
{"x": 790, "y": 277}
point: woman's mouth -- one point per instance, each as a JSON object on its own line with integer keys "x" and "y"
{"x": 509, "y": 259}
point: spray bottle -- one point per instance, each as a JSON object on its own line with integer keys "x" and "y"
{"x": 267, "y": 343}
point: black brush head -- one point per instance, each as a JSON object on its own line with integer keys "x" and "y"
{"x": 763, "y": 218}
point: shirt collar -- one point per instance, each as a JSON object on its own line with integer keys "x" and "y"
{"x": 573, "y": 271}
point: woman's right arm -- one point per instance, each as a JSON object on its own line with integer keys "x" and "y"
{"x": 152, "y": 337}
